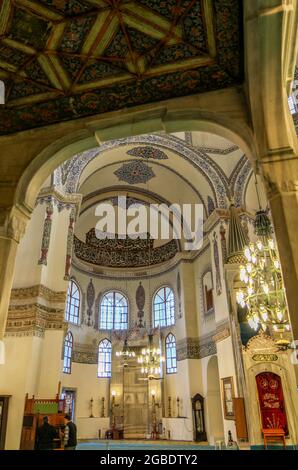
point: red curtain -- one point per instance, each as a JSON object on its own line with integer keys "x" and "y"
{"x": 271, "y": 401}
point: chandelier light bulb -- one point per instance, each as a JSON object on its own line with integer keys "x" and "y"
{"x": 252, "y": 324}
{"x": 279, "y": 315}
{"x": 239, "y": 296}
{"x": 276, "y": 264}
{"x": 249, "y": 268}
{"x": 271, "y": 244}
{"x": 242, "y": 273}
{"x": 264, "y": 316}
{"x": 266, "y": 289}
{"x": 247, "y": 254}
{"x": 260, "y": 245}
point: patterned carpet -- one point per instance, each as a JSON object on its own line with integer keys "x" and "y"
{"x": 142, "y": 445}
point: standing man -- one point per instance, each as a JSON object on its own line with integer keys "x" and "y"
{"x": 45, "y": 435}
{"x": 70, "y": 434}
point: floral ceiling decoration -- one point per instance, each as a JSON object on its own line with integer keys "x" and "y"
{"x": 147, "y": 152}
{"x": 62, "y": 59}
{"x": 134, "y": 172}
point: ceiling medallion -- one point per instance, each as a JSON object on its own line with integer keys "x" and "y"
{"x": 135, "y": 172}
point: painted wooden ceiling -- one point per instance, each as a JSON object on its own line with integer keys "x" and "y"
{"x": 64, "y": 59}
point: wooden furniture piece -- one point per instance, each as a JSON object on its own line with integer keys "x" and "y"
{"x": 274, "y": 435}
{"x": 240, "y": 419}
{"x": 4, "y": 401}
{"x": 198, "y": 418}
{"x": 114, "y": 434}
{"x": 34, "y": 412}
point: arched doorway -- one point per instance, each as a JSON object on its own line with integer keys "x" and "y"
{"x": 214, "y": 410}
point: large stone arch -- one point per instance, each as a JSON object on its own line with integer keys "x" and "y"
{"x": 66, "y": 147}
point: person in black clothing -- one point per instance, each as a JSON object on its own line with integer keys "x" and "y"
{"x": 45, "y": 436}
{"x": 70, "y": 434}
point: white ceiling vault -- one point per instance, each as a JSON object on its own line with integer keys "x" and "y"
{"x": 146, "y": 162}
{"x": 182, "y": 168}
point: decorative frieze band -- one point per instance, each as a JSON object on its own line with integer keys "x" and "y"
{"x": 35, "y": 309}
{"x": 222, "y": 331}
{"x": 38, "y": 290}
{"x": 195, "y": 348}
{"x": 221, "y": 335}
{"x": 62, "y": 201}
{"x": 33, "y": 320}
{"x": 85, "y": 354}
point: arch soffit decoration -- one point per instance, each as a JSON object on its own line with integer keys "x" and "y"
{"x": 211, "y": 171}
{"x": 44, "y": 164}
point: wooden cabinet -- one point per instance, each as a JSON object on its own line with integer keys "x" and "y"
{"x": 240, "y": 419}
{"x": 198, "y": 418}
{"x": 4, "y": 402}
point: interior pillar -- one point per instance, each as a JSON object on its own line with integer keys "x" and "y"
{"x": 281, "y": 179}
{"x": 11, "y": 232}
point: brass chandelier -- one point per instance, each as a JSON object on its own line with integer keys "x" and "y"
{"x": 150, "y": 360}
{"x": 126, "y": 353}
{"x": 264, "y": 293}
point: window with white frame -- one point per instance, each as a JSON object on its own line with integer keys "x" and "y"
{"x": 104, "y": 359}
{"x": 171, "y": 354}
{"x": 72, "y": 309}
{"x": 113, "y": 312}
{"x": 67, "y": 353}
{"x": 164, "y": 307}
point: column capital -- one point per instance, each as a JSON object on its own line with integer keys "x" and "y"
{"x": 280, "y": 176}
{"x": 13, "y": 223}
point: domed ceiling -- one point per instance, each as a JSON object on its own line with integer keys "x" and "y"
{"x": 64, "y": 59}
{"x": 185, "y": 168}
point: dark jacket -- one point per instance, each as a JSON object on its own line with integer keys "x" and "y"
{"x": 72, "y": 435}
{"x": 45, "y": 437}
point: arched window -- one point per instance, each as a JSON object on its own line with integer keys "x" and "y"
{"x": 171, "y": 354}
{"x": 67, "y": 353}
{"x": 104, "y": 358}
{"x": 113, "y": 312}
{"x": 164, "y": 307}
{"x": 72, "y": 303}
{"x": 208, "y": 293}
